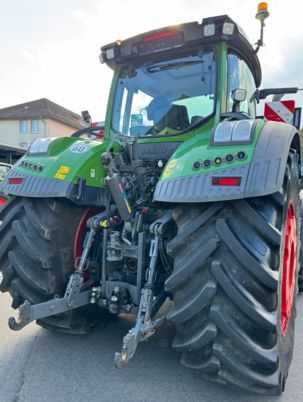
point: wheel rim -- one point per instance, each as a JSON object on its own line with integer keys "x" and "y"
{"x": 89, "y": 212}
{"x": 289, "y": 268}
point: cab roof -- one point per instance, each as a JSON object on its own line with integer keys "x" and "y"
{"x": 177, "y": 38}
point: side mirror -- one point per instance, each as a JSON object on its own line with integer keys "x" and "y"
{"x": 239, "y": 95}
{"x": 86, "y": 116}
{"x": 136, "y": 120}
{"x": 263, "y": 93}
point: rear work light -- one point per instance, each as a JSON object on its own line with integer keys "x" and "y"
{"x": 226, "y": 181}
{"x": 234, "y": 132}
{"x": 209, "y": 29}
{"x": 110, "y": 53}
{"x": 15, "y": 180}
{"x": 228, "y": 28}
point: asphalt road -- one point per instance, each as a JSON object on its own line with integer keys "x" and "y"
{"x": 37, "y": 365}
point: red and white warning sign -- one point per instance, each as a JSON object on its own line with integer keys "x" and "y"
{"x": 280, "y": 111}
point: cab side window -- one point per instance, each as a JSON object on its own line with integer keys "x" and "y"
{"x": 240, "y": 76}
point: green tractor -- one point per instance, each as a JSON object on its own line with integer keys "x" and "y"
{"x": 188, "y": 197}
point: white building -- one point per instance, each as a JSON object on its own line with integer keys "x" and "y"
{"x": 21, "y": 124}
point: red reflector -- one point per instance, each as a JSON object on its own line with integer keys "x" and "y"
{"x": 15, "y": 180}
{"x": 226, "y": 181}
{"x": 160, "y": 35}
{"x": 3, "y": 201}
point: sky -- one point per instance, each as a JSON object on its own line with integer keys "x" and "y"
{"x": 50, "y": 48}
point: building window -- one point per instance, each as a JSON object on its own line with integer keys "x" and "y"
{"x": 34, "y": 126}
{"x": 23, "y": 126}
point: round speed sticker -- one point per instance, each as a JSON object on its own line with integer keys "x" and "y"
{"x": 79, "y": 148}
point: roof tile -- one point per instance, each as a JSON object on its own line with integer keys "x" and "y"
{"x": 42, "y": 109}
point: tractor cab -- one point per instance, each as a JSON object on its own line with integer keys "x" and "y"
{"x": 174, "y": 80}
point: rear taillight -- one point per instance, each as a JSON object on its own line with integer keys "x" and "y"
{"x": 226, "y": 181}
{"x": 15, "y": 180}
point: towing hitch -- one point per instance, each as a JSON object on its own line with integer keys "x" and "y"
{"x": 145, "y": 326}
{"x": 32, "y": 312}
{"x": 74, "y": 297}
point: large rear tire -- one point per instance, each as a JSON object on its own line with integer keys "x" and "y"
{"x": 36, "y": 257}
{"x": 300, "y": 278}
{"x": 234, "y": 287}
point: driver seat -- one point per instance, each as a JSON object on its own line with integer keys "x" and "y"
{"x": 166, "y": 115}
{"x": 177, "y": 118}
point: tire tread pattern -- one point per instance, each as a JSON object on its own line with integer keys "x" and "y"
{"x": 224, "y": 288}
{"x": 36, "y": 255}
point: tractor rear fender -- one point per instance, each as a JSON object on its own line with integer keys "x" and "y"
{"x": 66, "y": 168}
{"x": 262, "y": 175}
{"x": 267, "y": 168}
